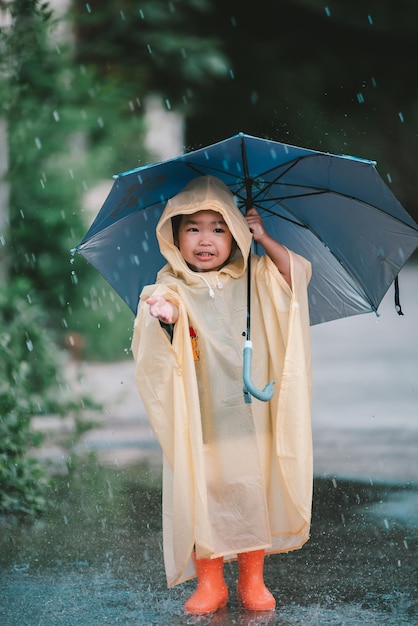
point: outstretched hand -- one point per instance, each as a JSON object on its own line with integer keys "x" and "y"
{"x": 162, "y": 309}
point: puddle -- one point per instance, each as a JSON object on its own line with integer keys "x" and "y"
{"x": 96, "y": 558}
{"x": 400, "y": 508}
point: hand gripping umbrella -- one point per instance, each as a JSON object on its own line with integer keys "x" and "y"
{"x": 334, "y": 210}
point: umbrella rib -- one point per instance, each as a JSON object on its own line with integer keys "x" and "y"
{"x": 318, "y": 191}
{"x": 248, "y": 181}
{"x": 346, "y": 269}
{"x": 315, "y": 190}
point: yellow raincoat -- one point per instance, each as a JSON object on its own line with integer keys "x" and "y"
{"x": 236, "y": 476}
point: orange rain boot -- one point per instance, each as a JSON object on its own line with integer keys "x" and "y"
{"x": 252, "y": 592}
{"x": 211, "y": 593}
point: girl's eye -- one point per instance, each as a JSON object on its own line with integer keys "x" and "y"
{"x": 219, "y": 230}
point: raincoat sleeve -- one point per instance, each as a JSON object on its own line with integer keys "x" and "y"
{"x": 166, "y": 380}
{"x": 158, "y": 361}
{"x": 292, "y": 401}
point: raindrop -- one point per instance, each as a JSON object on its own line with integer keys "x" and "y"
{"x": 29, "y": 345}
{"x": 327, "y": 12}
{"x": 149, "y": 49}
{"x": 145, "y": 246}
{"x": 369, "y": 17}
{"x": 334, "y": 483}
{"x": 233, "y": 21}
{"x": 360, "y": 98}
{"x": 401, "y": 117}
{"x": 399, "y": 563}
{"x": 168, "y": 104}
{"x": 65, "y": 518}
{"x": 389, "y": 177}
{"x": 21, "y": 567}
{"x": 64, "y": 323}
{"x": 141, "y": 14}
{"x": 42, "y": 184}
{"x": 22, "y": 215}
{"x": 56, "y": 116}
{"x": 122, "y": 15}
{"x": 405, "y": 543}
{"x": 374, "y": 83}
{"x": 28, "y": 298}
{"x": 100, "y": 122}
{"x": 2, "y": 240}
{"x": 231, "y": 73}
{"x": 74, "y": 278}
{"x": 38, "y": 143}
{"x": 71, "y": 173}
{"x": 131, "y": 105}
{"x": 386, "y": 523}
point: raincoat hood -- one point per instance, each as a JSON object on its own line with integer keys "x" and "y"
{"x": 200, "y": 194}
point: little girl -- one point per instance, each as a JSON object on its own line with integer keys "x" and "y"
{"x": 237, "y": 476}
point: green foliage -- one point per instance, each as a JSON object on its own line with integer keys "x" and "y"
{"x": 61, "y": 124}
{"x": 30, "y": 384}
{"x": 40, "y": 123}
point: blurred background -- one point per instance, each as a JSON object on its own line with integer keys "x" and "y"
{"x": 91, "y": 89}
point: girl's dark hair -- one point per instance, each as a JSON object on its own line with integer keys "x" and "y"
{"x": 175, "y": 225}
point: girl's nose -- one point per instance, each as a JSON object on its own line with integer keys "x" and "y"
{"x": 205, "y": 239}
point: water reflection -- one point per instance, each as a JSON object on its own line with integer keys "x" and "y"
{"x": 224, "y": 618}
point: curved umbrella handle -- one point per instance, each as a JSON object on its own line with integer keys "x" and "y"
{"x": 249, "y": 388}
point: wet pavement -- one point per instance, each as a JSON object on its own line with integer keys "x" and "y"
{"x": 96, "y": 558}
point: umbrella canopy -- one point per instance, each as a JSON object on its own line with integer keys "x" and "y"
{"x": 334, "y": 210}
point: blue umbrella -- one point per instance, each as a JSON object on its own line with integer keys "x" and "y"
{"x": 334, "y": 210}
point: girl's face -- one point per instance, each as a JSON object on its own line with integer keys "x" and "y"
{"x": 204, "y": 240}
